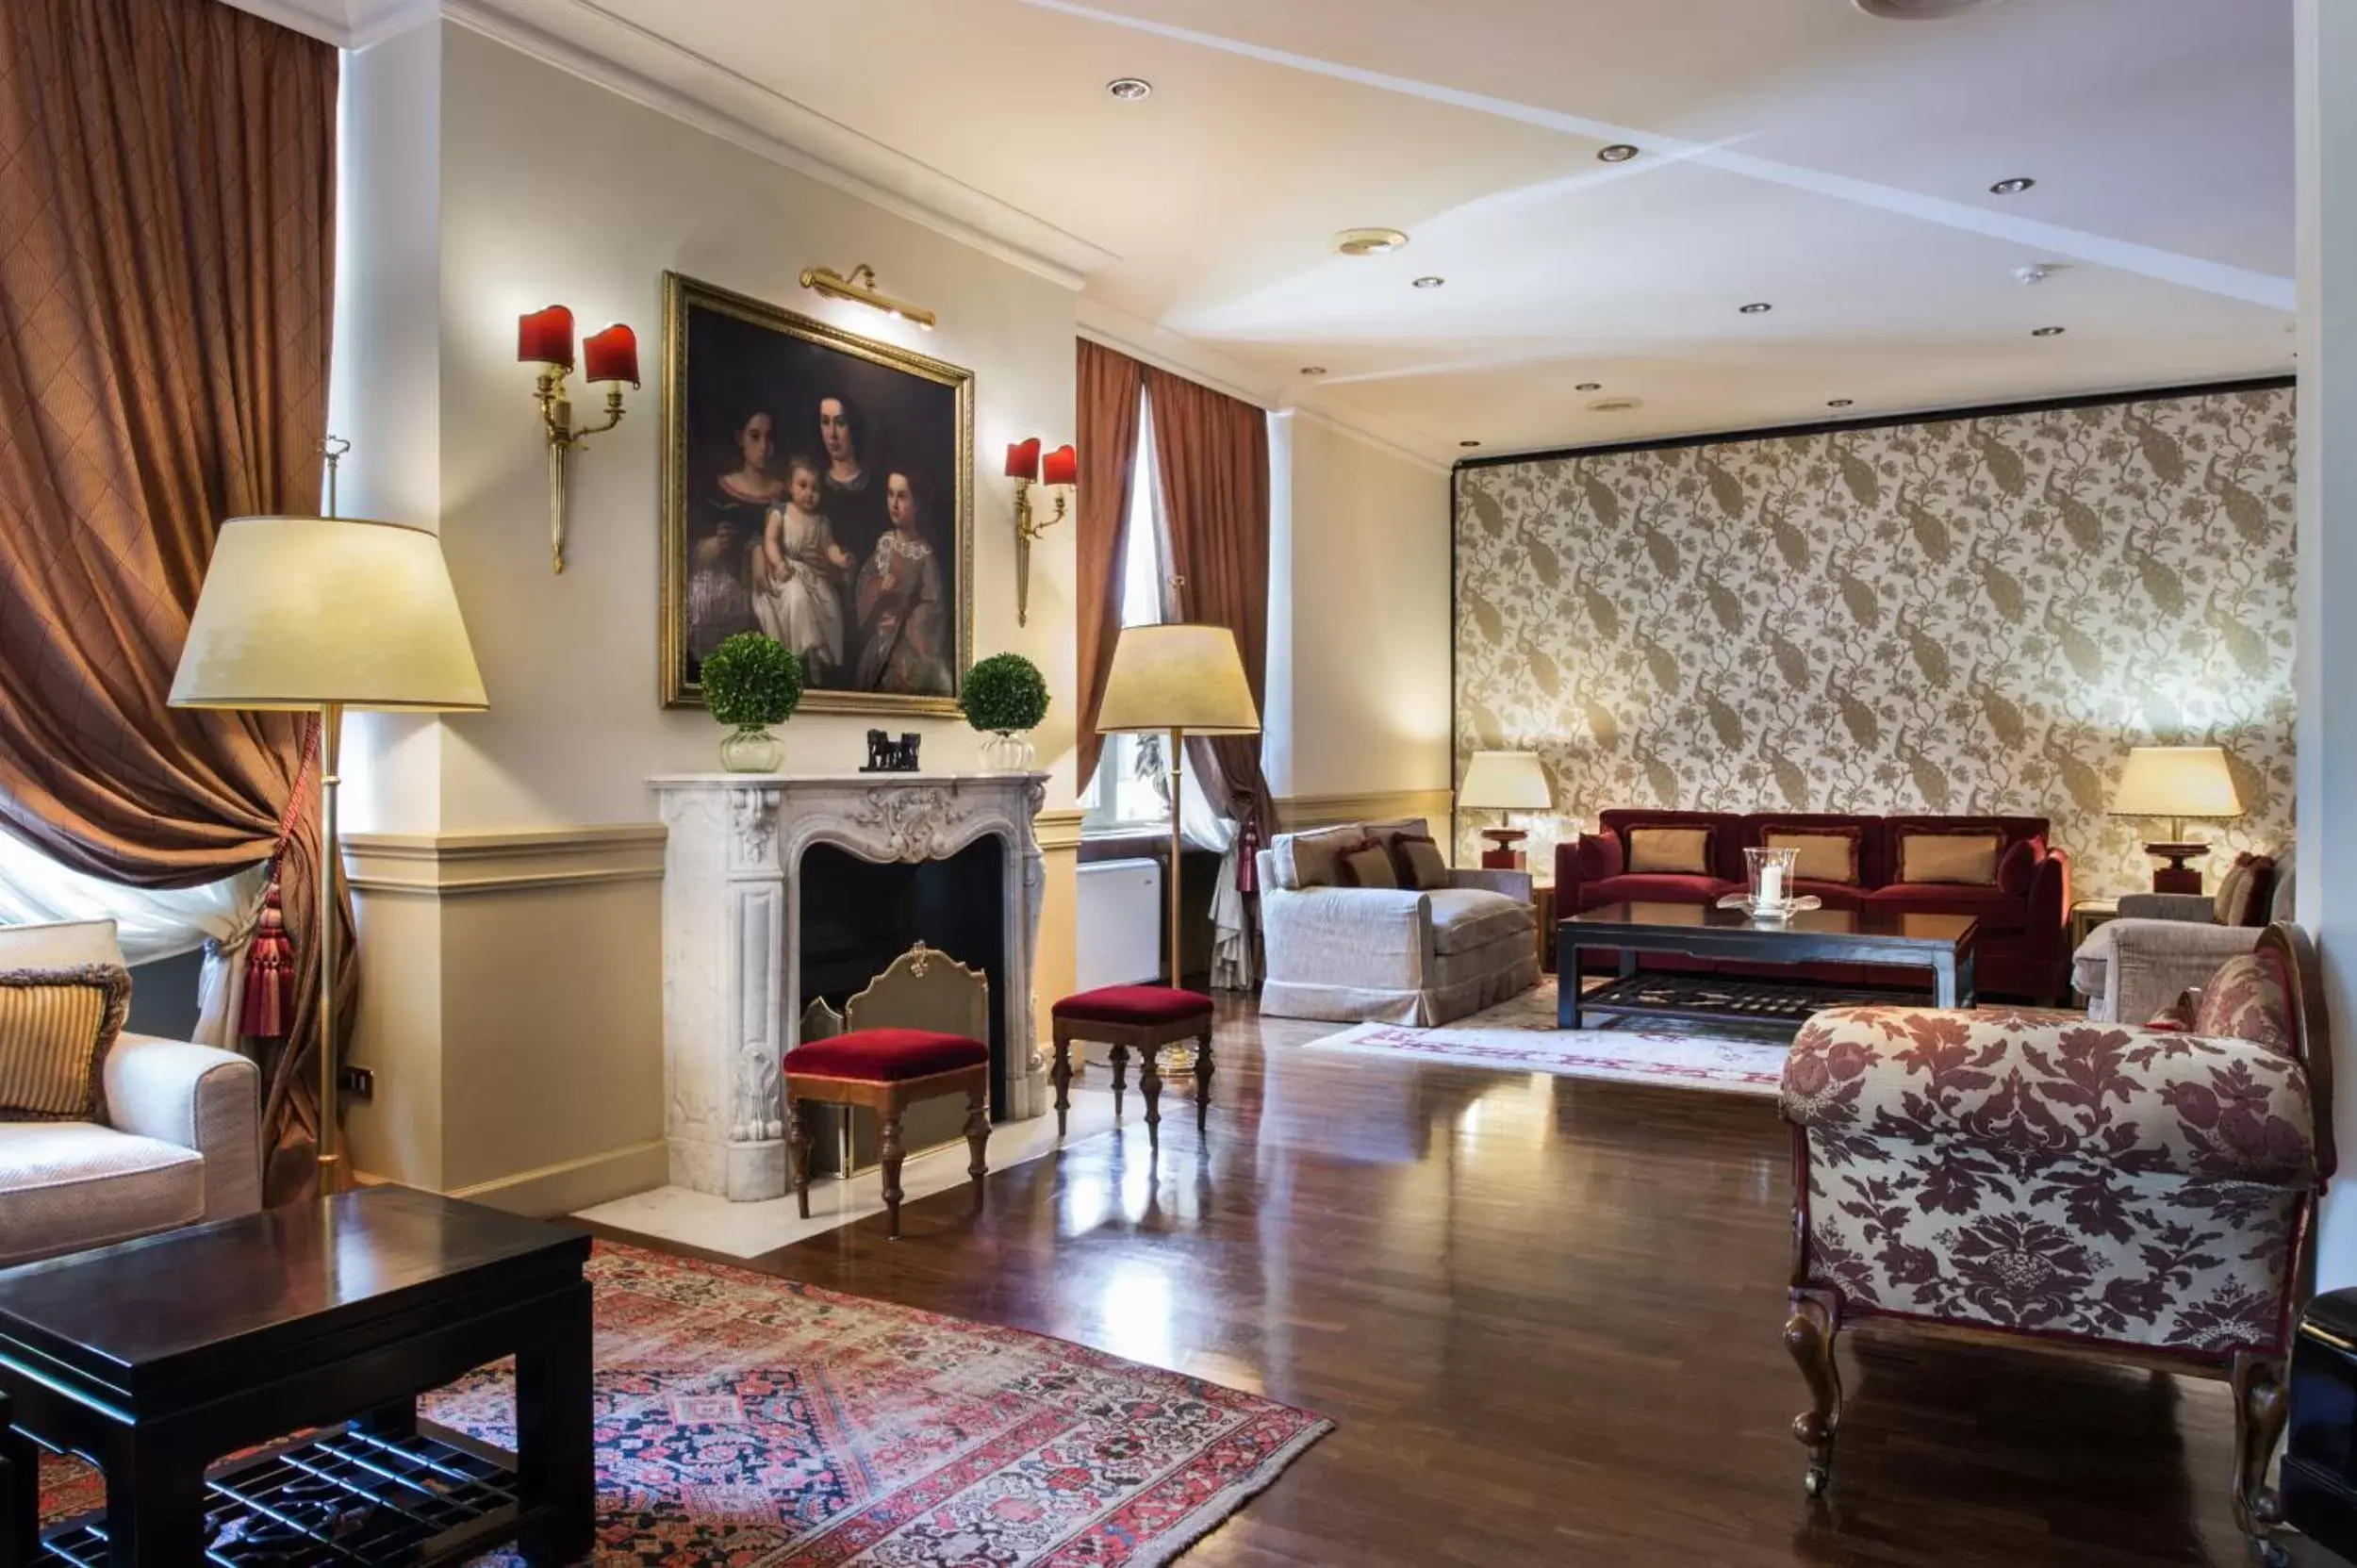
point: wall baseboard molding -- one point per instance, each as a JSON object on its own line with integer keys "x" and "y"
{"x": 461, "y": 865}
{"x": 575, "y": 1184}
{"x": 1294, "y": 812}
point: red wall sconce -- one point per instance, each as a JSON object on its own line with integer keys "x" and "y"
{"x": 1027, "y": 465}
{"x": 544, "y": 338}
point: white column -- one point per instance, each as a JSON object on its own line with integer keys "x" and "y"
{"x": 2326, "y": 51}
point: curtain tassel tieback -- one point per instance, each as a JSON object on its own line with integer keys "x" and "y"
{"x": 1248, "y": 857}
{"x": 269, "y": 972}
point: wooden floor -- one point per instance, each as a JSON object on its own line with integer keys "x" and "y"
{"x": 1545, "y": 1315}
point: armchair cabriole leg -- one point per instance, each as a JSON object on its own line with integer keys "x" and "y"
{"x": 1203, "y": 1082}
{"x": 2260, "y": 1406}
{"x": 1808, "y": 1335}
{"x": 1061, "y": 1073}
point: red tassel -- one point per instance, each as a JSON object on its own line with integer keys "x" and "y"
{"x": 269, "y": 972}
{"x": 1248, "y": 859}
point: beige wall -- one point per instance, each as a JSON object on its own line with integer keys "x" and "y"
{"x": 514, "y": 1028}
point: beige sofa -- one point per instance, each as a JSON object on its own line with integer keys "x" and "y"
{"x": 1387, "y": 955}
{"x": 180, "y": 1142}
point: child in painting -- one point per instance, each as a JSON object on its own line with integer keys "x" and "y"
{"x": 801, "y": 571}
{"x": 903, "y": 619}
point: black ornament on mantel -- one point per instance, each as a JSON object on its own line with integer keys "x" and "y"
{"x": 887, "y": 755}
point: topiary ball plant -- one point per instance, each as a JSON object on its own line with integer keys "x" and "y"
{"x": 752, "y": 681}
{"x": 1005, "y": 693}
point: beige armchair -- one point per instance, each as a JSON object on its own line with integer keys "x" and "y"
{"x": 2162, "y": 945}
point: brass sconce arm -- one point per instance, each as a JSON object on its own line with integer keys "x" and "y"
{"x": 556, "y": 422}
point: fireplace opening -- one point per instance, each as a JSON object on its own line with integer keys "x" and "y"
{"x": 858, "y": 916}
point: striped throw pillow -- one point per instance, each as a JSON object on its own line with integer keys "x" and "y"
{"x": 56, "y": 1029}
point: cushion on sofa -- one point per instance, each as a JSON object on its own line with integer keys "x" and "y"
{"x": 1464, "y": 918}
{"x": 2242, "y": 891}
{"x": 1678, "y": 851}
{"x": 1654, "y": 887}
{"x": 57, "y": 1025}
{"x": 1368, "y": 863}
{"x": 2000, "y": 913}
{"x": 65, "y": 1185}
{"x": 1964, "y": 859}
{"x": 1825, "y": 854}
{"x": 1599, "y": 857}
{"x": 2247, "y": 1000}
{"x": 1306, "y": 859}
{"x": 1418, "y": 863}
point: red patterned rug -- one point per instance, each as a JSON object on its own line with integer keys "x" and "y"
{"x": 748, "y": 1420}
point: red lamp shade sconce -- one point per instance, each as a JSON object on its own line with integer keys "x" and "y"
{"x": 544, "y": 338}
{"x": 1060, "y": 471}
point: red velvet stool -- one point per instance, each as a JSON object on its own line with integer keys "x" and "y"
{"x": 1142, "y": 1018}
{"x": 886, "y": 1070}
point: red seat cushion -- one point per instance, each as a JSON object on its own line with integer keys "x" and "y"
{"x": 1134, "y": 1004}
{"x": 886, "y": 1055}
{"x": 2000, "y": 913}
{"x": 1654, "y": 887}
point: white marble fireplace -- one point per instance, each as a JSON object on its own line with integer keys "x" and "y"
{"x": 733, "y": 882}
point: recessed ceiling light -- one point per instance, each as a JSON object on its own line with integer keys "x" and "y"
{"x": 2046, "y": 332}
{"x": 1758, "y": 308}
{"x": 1369, "y": 241}
{"x": 1620, "y": 151}
{"x": 1430, "y": 281}
{"x": 1130, "y": 88}
{"x": 1614, "y": 406}
{"x": 1469, "y": 443}
{"x": 2011, "y": 187}
{"x": 1312, "y": 370}
{"x": 1839, "y": 402}
{"x": 1589, "y": 387}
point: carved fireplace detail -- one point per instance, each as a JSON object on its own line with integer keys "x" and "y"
{"x": 731, "y": 939}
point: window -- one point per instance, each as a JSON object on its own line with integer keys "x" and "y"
{"x": 1132, "y": 787}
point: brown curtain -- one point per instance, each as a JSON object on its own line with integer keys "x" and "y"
{"x": 1211, "y": 452}
{"x": 1106, "y": 447}
{"x": 167, "y": 250}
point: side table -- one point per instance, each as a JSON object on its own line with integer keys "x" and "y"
{"x": 1542, "y": 905}
{"x": 2088, "y": 914}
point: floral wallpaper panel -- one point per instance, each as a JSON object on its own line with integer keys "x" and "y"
{"x": 1957, "y": 615}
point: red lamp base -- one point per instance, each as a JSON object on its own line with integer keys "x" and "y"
{"x": 2177, "y": 877}
{"x": 1503, "y": 853}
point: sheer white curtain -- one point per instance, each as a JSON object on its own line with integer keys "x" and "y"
{"x": 151, "y": 922}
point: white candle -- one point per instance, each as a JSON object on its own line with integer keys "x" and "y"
{"x": 1770, "y": 884}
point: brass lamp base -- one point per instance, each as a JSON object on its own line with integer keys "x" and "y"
{"x": 2177, "y": 877}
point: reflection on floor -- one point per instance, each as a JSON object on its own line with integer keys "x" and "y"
{"x": 711, "y": 1224}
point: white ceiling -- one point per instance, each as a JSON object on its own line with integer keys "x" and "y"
{"x": 1794, "y": 151}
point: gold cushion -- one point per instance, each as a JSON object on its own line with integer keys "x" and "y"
{"x": 1966, "y": 858}
{"x": 1683, "y": 852}
{"x": 56, "y": 1028}
{"x": 1823, "y": 856}
{"x": 1368, "y": 866}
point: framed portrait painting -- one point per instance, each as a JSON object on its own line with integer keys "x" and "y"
{"x": 818, "y": 487}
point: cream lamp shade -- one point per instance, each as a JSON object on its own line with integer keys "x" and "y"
{"x": 1177, "y": 677}
{"x": 299, "y": 612}
{"x": 1504, "y": 781}
{"x": 2176, "y": 781}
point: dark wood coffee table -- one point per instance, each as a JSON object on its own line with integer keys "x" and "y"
{"x": 1943, "y": 944}
{"x": 155, "y": 1357}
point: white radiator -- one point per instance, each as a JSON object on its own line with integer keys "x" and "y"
{"x": 1119, "y": 909}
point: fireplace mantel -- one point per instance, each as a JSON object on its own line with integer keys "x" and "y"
{"x": 731, "y": 939}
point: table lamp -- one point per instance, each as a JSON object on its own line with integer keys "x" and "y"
{"x": 1504, "y": 781}
{"x": 1180, "y": 680}
{"x": 320, "y": 615}
{"x": 2176, "y": 781}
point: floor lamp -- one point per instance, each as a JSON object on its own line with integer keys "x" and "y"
{"x": 317, "y": 614}
{"x": 1176, "y": 679}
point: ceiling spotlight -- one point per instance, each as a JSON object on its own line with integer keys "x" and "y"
{"x": 1469, "y": 443}
{"x": 1758, "y": 308}
{"x": 1589, "y": 387}
{"x": 1839, "y": 402}
{"x": 1430, "y": 281}
{"x": 1369, "y": 241}
{"x": 1620, "y": 151}
{"x": 2046, "y": 332}
{"x": 1130, "y": 88}
{"x": 1312, "y": 370}
{"x": 2011, "y": 187}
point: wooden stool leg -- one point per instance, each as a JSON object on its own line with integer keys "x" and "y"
{"x": 1062, "y": 1074}
{"x": 977, "y": 1139}
{"x": 797, "y": 1153}
{"x": 1150, "y": 1086}
{"x": 1202, "y": 1080}
{"x": 891, "y": 1151}
{"x": 1121, "y": 1076}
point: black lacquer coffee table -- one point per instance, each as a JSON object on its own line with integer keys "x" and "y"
{"x": 1763, "y": 997}
{"x": 155, "y": 1357}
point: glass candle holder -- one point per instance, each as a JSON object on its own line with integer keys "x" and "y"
{"x": 1768, "y": 876}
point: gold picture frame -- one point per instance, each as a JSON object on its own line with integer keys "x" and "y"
{"x": 912, "y": 431}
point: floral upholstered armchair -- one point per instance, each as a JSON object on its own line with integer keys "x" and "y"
{"x": 2136, "y": 1193}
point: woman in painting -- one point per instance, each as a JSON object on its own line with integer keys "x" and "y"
{"x": 854, "y": 500}
{"x": 728, "y": 524}
{"x": 903, "y": 612}
{"x": 799, "y": 574}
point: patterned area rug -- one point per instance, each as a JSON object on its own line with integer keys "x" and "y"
{"x": 744, "y": 1420}
{"x": 1520, "y": 1036}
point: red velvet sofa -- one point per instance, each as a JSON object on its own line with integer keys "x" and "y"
{"x": 2025, "y": 920}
